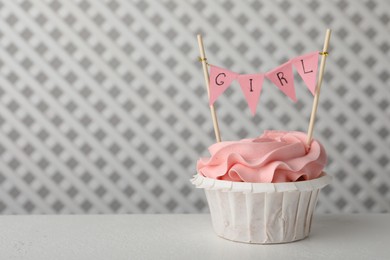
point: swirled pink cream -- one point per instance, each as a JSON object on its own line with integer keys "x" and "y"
{"x": 275, "y": 156}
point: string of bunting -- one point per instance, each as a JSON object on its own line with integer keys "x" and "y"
{"x": 282, "y": 77}
{"x": 251, "y": 84}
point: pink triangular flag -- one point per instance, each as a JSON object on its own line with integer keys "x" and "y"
{"x": 251, "y": 85}
{"x": 306, "y": 66}
{"x": 283, "y": 78}
{"x": 220, "y": 80}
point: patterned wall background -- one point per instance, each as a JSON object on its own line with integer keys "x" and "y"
{"x": 103, "y": 107}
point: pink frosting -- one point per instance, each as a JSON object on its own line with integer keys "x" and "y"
{"x": 275, "y": 156}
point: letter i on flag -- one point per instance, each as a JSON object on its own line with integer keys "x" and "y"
{"x": 307, "y": 66}
{"x": 251, "y": 85}
{"x": 283, "y": 78}
{"x": 220, "y": 80}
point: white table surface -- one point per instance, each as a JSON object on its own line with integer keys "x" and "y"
{"x": 182, "y": 237}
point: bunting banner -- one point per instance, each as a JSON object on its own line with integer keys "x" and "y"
{"x": 220, "y": 80}
{"x": 281, "y": 76}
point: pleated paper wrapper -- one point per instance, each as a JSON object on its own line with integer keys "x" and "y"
{"x": 262, "y": 213}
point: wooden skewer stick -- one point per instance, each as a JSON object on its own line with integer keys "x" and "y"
{"x": 207, "y": 80}
{"x": 318, "y": 88}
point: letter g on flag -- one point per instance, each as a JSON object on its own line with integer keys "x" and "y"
{"x": 220, "y": 80}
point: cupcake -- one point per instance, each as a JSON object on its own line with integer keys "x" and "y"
{"x": 263, "y": 190}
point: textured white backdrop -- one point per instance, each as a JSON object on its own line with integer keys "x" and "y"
{"x": 103, "y": 107}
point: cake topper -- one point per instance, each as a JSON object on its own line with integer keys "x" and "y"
{"x": 251, "y": 84}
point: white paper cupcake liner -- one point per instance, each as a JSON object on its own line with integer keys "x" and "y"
{"x": 261, "y": 212}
